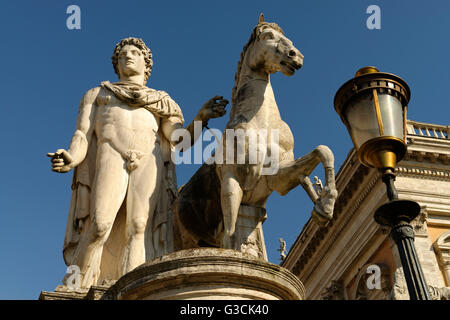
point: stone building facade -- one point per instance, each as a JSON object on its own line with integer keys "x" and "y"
{"x": 336, "y": 262}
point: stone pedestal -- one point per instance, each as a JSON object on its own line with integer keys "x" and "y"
{"x": 63, "y": 293}
{"x": 207, "y": 273}
{"x": 249, "y": 237}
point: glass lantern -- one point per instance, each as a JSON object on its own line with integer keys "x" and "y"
{"x": 373, "y": 106}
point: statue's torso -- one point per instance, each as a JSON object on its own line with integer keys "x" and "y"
{"x": 125, "y": 128}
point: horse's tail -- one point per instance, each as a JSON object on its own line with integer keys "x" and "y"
{"x": 198, "y": 213}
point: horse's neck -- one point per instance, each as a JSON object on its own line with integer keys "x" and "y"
{"x": 255, "y": 99}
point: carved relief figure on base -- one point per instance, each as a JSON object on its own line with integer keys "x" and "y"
{"x": 123, "y": 182}
{"x": 208, "y": 206}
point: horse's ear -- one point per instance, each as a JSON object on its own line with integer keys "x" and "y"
{"x": 261, "y": 18}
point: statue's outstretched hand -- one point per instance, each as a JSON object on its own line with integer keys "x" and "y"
{"x": 213, "y": 108}
{"x": 61, "y": 161}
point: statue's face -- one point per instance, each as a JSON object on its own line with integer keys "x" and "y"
{"x": 131, "y": 61}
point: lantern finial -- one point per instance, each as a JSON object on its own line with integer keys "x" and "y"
{"x": 366, "y": 70}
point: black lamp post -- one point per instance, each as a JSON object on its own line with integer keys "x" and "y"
{"x": 373, "y": 105}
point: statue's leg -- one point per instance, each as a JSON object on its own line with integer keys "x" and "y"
{"x": 108, "y": 193}
{"x": 231, "y": 195}
{"x": 142, "y": 199}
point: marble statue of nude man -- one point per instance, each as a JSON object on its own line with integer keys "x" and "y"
{"x": 128, "y": 122}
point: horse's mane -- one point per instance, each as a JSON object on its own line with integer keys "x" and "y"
{"x": 255, "y": 33}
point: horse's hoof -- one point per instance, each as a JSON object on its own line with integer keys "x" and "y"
{"x": 218, "y": 232}
{"x": 324, "y": 207}
{"x": 321, "y": 217}
{"x": 226, "y": 242}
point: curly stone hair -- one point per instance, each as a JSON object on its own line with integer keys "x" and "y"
{"x": 138, "y": 43}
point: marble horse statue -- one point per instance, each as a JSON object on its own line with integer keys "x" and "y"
{"x": 208, "y": 207}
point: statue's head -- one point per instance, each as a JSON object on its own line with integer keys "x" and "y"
{"x": 137, "y": 51}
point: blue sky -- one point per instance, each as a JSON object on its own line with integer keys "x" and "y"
{"x": 46, "y": 68}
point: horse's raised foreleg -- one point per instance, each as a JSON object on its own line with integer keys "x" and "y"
{"x": 231, "y": 196}
{"x": 296, "y": 172}
{"x": 291, "y": 174}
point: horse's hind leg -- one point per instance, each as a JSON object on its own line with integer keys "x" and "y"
{"x": 231, "y": 196}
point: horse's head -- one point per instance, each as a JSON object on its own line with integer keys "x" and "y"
{"x": 272, "y": 51}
